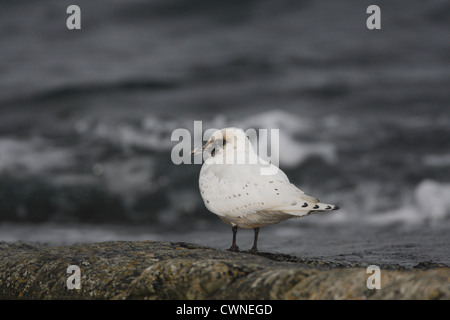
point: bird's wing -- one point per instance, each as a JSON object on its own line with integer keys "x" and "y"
{"x": 288, "y": 198}
{"x": 238, "y": 190}
{"x": 230, "y": 190}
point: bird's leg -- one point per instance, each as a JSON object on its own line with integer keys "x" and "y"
{"x": 234, "y": 247}
{"x": 255, "y": 241}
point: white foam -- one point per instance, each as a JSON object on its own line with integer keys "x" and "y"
{"x": 148, "y": 134}
{"x": 429, "y": 203}
{"x": 154, "y": 133}
{"x": 32, "y": 156}
{"x": 433, "y": 199}
{"x": 128, "y": 135}
{"x": 293, "y": 151}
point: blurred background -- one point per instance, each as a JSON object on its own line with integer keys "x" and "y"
{"x": 86, "y": 118}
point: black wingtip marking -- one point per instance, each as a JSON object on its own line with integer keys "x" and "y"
{"x": 316, "y": 206}
{"x": 336, "y": 208}
{"x": 328, "y": 207}
{"x": 304, "y": 205}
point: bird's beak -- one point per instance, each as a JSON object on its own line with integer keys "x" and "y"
{"x": 200, "y": 150}
{"x": 197, "y": 150}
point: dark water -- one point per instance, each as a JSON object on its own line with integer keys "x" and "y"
{"x": 86, "y": 118}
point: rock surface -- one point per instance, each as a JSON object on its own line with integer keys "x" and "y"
{"x": 165, "y": 270}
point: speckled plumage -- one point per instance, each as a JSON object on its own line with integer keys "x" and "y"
{"x": 233, "y": 187}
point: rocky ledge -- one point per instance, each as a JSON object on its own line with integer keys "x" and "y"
{"x": 165, "y": 270}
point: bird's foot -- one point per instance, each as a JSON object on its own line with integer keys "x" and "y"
{"x": 233, "y": 248}
{"x": 253, "y": 250}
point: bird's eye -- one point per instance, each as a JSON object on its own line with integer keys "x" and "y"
{"x": 221, "y": 143}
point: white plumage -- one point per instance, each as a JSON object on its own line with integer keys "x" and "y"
{"x": 233, "y": 187}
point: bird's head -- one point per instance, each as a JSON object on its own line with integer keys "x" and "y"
{"x": 225, "y": 139}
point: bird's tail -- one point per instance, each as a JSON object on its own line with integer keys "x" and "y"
{"x": 307, "y": 205}
{"x": 313, "y": 204}
{"x": 324, "y": 207}
{"x": 312, "y": 208}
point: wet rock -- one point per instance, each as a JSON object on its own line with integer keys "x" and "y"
{"x": 165, "y": 270}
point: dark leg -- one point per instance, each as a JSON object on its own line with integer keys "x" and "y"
{"x": 255, "y": 241}
{"x": 234, "y": 247}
